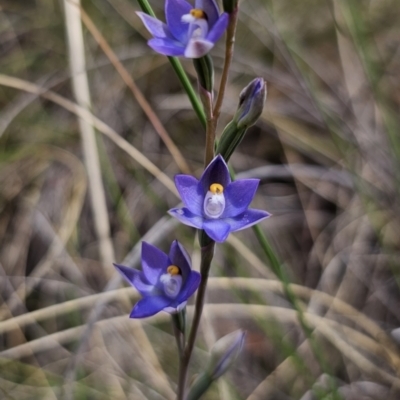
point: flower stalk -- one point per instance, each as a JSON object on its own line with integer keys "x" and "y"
{"x": 207, "y": 254}
{"x": 229, "y": 47}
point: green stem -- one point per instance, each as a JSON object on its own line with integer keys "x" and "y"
{"x": 229, "y": 140}
{"x": 187, "y": 86}
{"x": 207, "y": 253}
{"x": 229, "y": 45}
{"x": 210, "y": 129}
{"x": 146, "y": 7}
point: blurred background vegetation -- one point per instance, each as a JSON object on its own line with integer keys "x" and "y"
{"x": 326, "y": 149}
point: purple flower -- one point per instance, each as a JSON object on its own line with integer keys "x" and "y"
{"x": 189, "y": 32}
{"x": 216, "y": 204}
{"x": 165, "y": 283}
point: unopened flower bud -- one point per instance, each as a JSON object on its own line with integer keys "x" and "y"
{"x": 251, "y": 103}
{"x": 224, "y": 353}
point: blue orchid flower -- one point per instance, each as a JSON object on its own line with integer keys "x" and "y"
{"x": 190, "y": 31}
{"x": 216, "y": 204}
{"x": 166, "y": 282}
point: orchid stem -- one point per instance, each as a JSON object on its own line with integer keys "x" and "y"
{"x": 207, "y": 253}
{"x": 210, "y": 132}
{"x": 187, "y": 86}
{"x": 207, "y": 245}
{"x": 229, "y": 45}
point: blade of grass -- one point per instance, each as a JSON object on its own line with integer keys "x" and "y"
{"x": 91, "y": 157}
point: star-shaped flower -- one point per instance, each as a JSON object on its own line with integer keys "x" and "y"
{"x": 216, "y": 204}
{"x": 189, "y": 32}
{"x": 166, "y": 282}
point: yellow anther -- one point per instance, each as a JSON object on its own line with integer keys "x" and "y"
{"x": 197, "y": 13}
{"x": 216, "y": 188}
{"x": 173, "y": 270}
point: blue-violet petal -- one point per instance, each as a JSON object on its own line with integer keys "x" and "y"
{"x": 247, "y": 219}
{"x": 216, "y": 172}
{"x": 238, "y": 196}
{"x": 191, "y": 194}
{"x": 148, "y": 306}
{"x": 135, "y": 278}
{"x": 216, "y": 229}
{"x": 191, "y": 285}
{"x": 187, "y": 217}
{"x": 167, "y": 47}
{"x": 179, "y": 257}
{"x": 218, "y": 29}
{"x": 174, "y": 10}
{"x": 157, "y": 28}
{"x": 154, "y": 261}
{"x": 210, "y": 8}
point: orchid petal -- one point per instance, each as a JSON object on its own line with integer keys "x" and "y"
{"x": 157, "y": 28}
{"x": 190, "y": 287}
{"x": 149, "y": 306}
{"x": 136, "y": 279}
{"x": 179, "y": 257}
{"x": 238, "y": 196}
{"x": 210, "y": 8}
{"x": 190, "y": 192}
{"x": 217, "y": 229}
{"x": 218, "y": 29}
{"x": 197, "y": 48}
{"x": 187, "y": 217}
{"x": 174, "y": 10}
{"x": 167, "y": 47}
{"x": 247, "y": 219}
{"x": 216, "y": 172}
{"x": 154, "y": 262}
